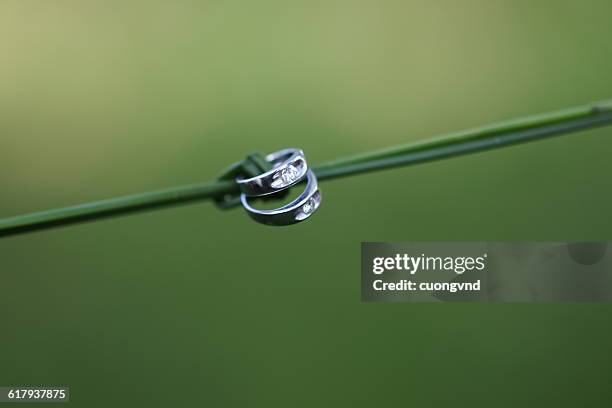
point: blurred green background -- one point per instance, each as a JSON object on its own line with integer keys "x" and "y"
{"x": 191, "y": 305}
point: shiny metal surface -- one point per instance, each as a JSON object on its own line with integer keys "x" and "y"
{"x": 290, "y": 168}
{"x": 296, "y": 211}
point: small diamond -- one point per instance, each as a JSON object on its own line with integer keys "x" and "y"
{"x": 289, "y": 174}
{"x": 285, "y": 177}
{"x": 309, "y": 206}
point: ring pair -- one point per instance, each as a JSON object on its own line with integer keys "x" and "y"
{"x": 289, "y": 168}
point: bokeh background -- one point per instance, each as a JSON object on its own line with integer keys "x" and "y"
{"x": 193, "y": 306}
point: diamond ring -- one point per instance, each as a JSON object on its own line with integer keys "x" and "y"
{"x": 289, "y": 169}
{"x": 297, "y": 210}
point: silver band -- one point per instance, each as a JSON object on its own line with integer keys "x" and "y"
{"x": 297, "y": 210}
{"x": 290, "y": 168}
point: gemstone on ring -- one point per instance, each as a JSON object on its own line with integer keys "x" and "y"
{"x": 309, "y": 206}
{"x": 285, "y": 177}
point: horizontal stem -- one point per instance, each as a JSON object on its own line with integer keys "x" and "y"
{"x": 113, "y": 206}
{"x": 567, "y": 116}
{"x": 469, "y": 141}
{"x": 459, "y": 144}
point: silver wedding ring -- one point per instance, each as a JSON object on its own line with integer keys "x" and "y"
{"x": 290, "y": 168}
{"x": 297, "y": 210}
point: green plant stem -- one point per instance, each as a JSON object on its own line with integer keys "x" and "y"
{"x": 502, "y": 134}
{"x": 489, "y": 137}
{"x": 112, "y": 207}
